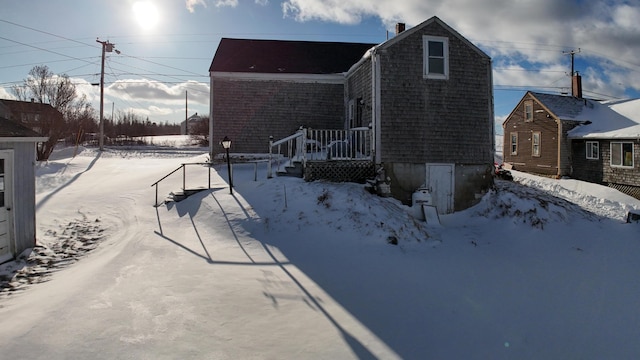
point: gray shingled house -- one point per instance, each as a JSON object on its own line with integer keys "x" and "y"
{"x": 418, "y": 106}
{"x": 17, "y": 188}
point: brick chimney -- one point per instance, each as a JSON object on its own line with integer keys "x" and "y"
{"x": 576, "y": 85}
{"x": 399, "y": 28}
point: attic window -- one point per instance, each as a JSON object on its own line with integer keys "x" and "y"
{"x": 436, "y": 57}
{"x": 528, "y": 110}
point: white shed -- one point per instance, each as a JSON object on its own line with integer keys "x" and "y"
{"x": 17, "y": 188}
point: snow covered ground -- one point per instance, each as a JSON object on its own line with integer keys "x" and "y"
{"x": 284, "y": 269}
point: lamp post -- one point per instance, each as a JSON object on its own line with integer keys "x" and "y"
{"x": 226, "y": 144}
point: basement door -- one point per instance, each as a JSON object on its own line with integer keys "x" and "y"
{"x": 440, "y": 185}
{"x": 6, "y": 220}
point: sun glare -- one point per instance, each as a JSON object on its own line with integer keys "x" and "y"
{"x": 146, "y": 14}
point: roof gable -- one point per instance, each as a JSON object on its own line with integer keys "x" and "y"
{"x": 430, "y": 21}
{"x": 598, "y": 119}
{"x": 564, "y": 107}
{"x": 286, "y": 57}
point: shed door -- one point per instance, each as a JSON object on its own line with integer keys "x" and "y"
{"x": 440, "y": 184}
{"x": 6, "y": 224}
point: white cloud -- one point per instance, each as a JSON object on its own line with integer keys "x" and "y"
{"x": 191, "y": 4}
{"x": 155, "y": 110}
{"x": 146, "y": 91}
{"x": 6, "y": 94}
{"x": 536, "y": 33}
{"x": 229, "y": 3}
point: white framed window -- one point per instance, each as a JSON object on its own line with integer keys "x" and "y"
{"x": 514, "y": 143}
{"x": 535, "y": 143}
{"x": 593, "y": 150}
{"x": 622, "y": 154}
{"x": 436, "y": 57}
{"x": 528, "y": 110}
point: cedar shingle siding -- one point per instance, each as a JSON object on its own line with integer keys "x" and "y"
{"x": 600, "y": 171}
{"x": 249, "y": 111}
{"x": 427, "y": 120}
{"x": 358, "y": 86}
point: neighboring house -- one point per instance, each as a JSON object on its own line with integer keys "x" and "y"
{"x": 17, "y": 188}
{"x": 194, "y": 122}
{"x": 559, "y": 135}
{"x": 425, "y": 96}
{"x": 606, "y": 150}
{"x": 535, "y": 133}
{"x": 39, "y": 117}
{"x": 34, "y": 115}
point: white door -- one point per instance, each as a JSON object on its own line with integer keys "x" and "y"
{"x": 440, "y": 185}
{"x": 6, "y": 222}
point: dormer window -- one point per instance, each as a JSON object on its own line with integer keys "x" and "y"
{"x": 436, "y": 57}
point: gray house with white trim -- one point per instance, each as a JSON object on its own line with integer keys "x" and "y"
{"x": 17, "y": 188}
{"x": 425, "y": 95}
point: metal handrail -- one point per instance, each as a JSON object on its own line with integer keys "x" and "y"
{"x": 184, "y": 177}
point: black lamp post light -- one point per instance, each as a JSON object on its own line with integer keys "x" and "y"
{"x": 226, "y": 144}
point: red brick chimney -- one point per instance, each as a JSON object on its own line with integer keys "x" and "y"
{"x": 399, "y": 28}
{"x": 576, "y": 85}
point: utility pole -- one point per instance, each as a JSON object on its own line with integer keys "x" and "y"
{"x": 576, "y": 79}
{"x": 572, "y": 53}
{"x": 106, "y": 47}
{"x": 186, "y": 114}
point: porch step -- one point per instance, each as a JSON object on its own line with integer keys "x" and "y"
{"x": 180, "y": 195}
{"x": 295, "y": 170}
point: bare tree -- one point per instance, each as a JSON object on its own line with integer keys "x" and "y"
{"x": 200, "y": 131}
{"x": 43, "y": 86}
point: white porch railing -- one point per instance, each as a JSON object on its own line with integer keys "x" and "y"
{"x": 320, "y": 144}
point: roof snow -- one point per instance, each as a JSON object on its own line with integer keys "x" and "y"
{"x": 618, "y": 119}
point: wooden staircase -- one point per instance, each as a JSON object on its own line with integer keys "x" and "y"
{"x": 324, "y": 154}
{"x": 293, "y": 169}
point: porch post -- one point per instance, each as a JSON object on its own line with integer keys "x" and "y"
{"x": 269, "y": 174}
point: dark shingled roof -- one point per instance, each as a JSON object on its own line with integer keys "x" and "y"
{"x": 10, "y": 129}
{"x": 28, "y": 107}
{"x": 286, "y": 57}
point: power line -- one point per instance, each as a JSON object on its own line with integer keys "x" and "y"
{"x": 42, "y": 49}
{"x": 45, "y": 32}
{"x": 40, "y": 63}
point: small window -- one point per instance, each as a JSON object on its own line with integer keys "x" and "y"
{"x": 535, "y": 143}
{"x": 528, "y": 110}
{"x": 514, "y": 143}
{"x": 622, "y": 154}
{"x": 436, "y": 57}
{"x": 593, "y": 150}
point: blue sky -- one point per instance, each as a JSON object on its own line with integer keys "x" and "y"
{"x": 167, "y": 55}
